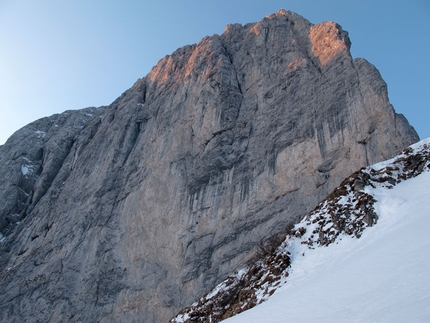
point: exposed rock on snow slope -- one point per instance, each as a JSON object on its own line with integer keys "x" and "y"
{"x": 132, "y": 211}
{"x": 382, "y": 277}
{"x": 347, "y": 211}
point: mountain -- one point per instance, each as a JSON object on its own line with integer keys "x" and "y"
{"x": 132, "y": 211}
{"x": 360, "y": 255}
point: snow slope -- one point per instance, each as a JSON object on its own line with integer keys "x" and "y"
{"x": 382, "y": 277}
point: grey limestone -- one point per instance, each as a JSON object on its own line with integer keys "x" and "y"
{"x": 129, "y": 212}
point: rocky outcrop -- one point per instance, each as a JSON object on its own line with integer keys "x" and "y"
{"x": 133, "y": 211}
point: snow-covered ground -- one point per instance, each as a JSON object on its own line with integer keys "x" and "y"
{"x": 382, "y": 277}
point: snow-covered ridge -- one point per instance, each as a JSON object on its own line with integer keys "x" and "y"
{"x": 347, "y": 211}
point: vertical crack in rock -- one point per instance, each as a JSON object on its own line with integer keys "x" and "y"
{"x": 53, "y": 160}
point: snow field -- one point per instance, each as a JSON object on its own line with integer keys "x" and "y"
{"x": 382, "y": 277}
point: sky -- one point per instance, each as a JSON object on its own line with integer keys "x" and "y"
{"x": 57, "y": 55}
{"x": 381, "y": 277}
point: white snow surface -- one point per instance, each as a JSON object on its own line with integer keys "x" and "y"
{"x": 382, "y": 277}
{"x": 27, "y": 167}
{"x": 40, "y": 134}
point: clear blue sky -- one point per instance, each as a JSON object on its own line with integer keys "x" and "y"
{"x": 57, "y": 55}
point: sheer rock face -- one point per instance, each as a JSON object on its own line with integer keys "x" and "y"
{"x": 133, "y": 211}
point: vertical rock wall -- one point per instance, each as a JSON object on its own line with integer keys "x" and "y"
{"x": 132, "y": 211}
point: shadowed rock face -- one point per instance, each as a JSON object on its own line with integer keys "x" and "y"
{"x": 133, "y": 211}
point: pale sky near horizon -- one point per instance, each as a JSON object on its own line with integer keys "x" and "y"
{"x": 58, "y": 55}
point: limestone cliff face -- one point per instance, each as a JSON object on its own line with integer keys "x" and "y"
{"x": 133, "y": 211}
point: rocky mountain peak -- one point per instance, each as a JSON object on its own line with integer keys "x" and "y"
{"x": 134, "y": 210}
{"x": 328, "y": 40}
